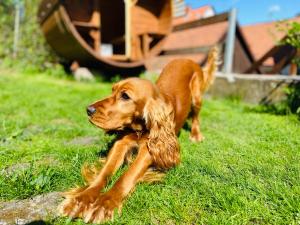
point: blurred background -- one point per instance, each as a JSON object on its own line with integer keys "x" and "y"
{"x": 128, "y": 37}
{"x": 259, "y": 41}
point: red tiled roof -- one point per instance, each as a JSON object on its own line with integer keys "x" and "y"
{"x": 194, "y": 14}
{"x": 263, "y": 37}
{"x": 196, "y": 37}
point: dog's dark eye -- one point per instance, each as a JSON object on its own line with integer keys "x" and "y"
{"x": 124, "y": 96}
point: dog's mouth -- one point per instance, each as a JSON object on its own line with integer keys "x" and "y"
{"x": 107, "y": 129}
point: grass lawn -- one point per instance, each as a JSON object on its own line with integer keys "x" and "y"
{"x": 247, "y": 171}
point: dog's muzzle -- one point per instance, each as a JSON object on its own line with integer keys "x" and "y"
{"x": 90, "y": 110}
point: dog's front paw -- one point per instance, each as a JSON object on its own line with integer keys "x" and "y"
{"x": 77, "y": 201}
{"x": 102, "y": 209}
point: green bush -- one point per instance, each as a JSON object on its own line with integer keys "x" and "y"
{"x": 293, "y": 39}
{"x": 292, "y": 31}
{"x": 290, "y": 105}
{"x": 293, "y": 98}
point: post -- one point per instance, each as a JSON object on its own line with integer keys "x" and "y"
{"x": 16, "y": 28}
{"x": 128, "y": 43}
{"x": 230, "y": 44}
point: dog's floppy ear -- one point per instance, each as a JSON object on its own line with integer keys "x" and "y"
{"x": 162, "y": 141}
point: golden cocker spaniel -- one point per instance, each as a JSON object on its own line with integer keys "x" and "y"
{"x": 150, "y": 116}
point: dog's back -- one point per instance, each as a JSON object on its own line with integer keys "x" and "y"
{"x": 176, "y": 83}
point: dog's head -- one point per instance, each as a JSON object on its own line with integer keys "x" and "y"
{"x": 124, "y": 108}
{"x": 137, "y": 104}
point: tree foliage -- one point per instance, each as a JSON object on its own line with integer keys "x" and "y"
{"x": 293, "y": 39}
{"x": 293, "y": 35}
{"x": 292, "y": 31}
{"x": 33, "y": 51}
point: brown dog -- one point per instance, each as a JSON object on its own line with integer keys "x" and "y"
{"x": 151, "y": 116}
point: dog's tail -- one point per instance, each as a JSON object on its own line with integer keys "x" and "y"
{"x": 211, "y": 67}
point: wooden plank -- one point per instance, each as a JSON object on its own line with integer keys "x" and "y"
{"x": 85, "y": 24}
{"x": 95, "y": 34}
{"x": 117, "y": 57}
{"x": 293, "y": 69}
{"x": 96, "y": 18}
{"x": 146, "y": 44}
{"x": 136, "y": 48}
{"x": 255, "y": 66}
{"x": 279, "y": 65}
{"x": 182, "y": 51}
{"x": 128, "y": 31}
{"x": 202, "y": 22}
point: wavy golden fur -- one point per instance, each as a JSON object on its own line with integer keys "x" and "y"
{"x": 162, "y": 141}
{"x": 149, "y": 117}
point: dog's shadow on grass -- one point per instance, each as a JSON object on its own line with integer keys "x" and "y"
{"x": 113, "y": 136}
{"x": 187, "y": 126}
{"x": 38, "y": 222}
{"x": 103, "y": 151}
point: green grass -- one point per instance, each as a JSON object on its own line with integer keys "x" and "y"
{"x": 247, "y": 171}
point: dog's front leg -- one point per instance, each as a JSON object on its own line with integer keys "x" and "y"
{"x": 78, "y": 200}
{"x": 103, "y": 208}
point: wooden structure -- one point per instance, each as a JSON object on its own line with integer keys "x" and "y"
{"x": 270, "y": 57}
{"x": 282, "y": 55}
{"x": 117, "y": 35}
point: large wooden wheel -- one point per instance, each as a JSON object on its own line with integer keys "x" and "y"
{"x": 117, "y": 34}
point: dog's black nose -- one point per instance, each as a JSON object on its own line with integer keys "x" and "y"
{"x": 90, "y": 110}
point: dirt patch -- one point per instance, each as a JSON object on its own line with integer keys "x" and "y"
{"x": 15, "y": 168}
{"x": 62, "y": 121}
{"x": 21, "y": 167}
{"x": 83, "y": 141}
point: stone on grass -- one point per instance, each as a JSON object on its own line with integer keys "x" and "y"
{"x": 38, "y": 208}
{"x": 83, "y": 74}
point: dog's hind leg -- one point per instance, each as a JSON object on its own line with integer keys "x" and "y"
{"x": 195, "y": 88}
